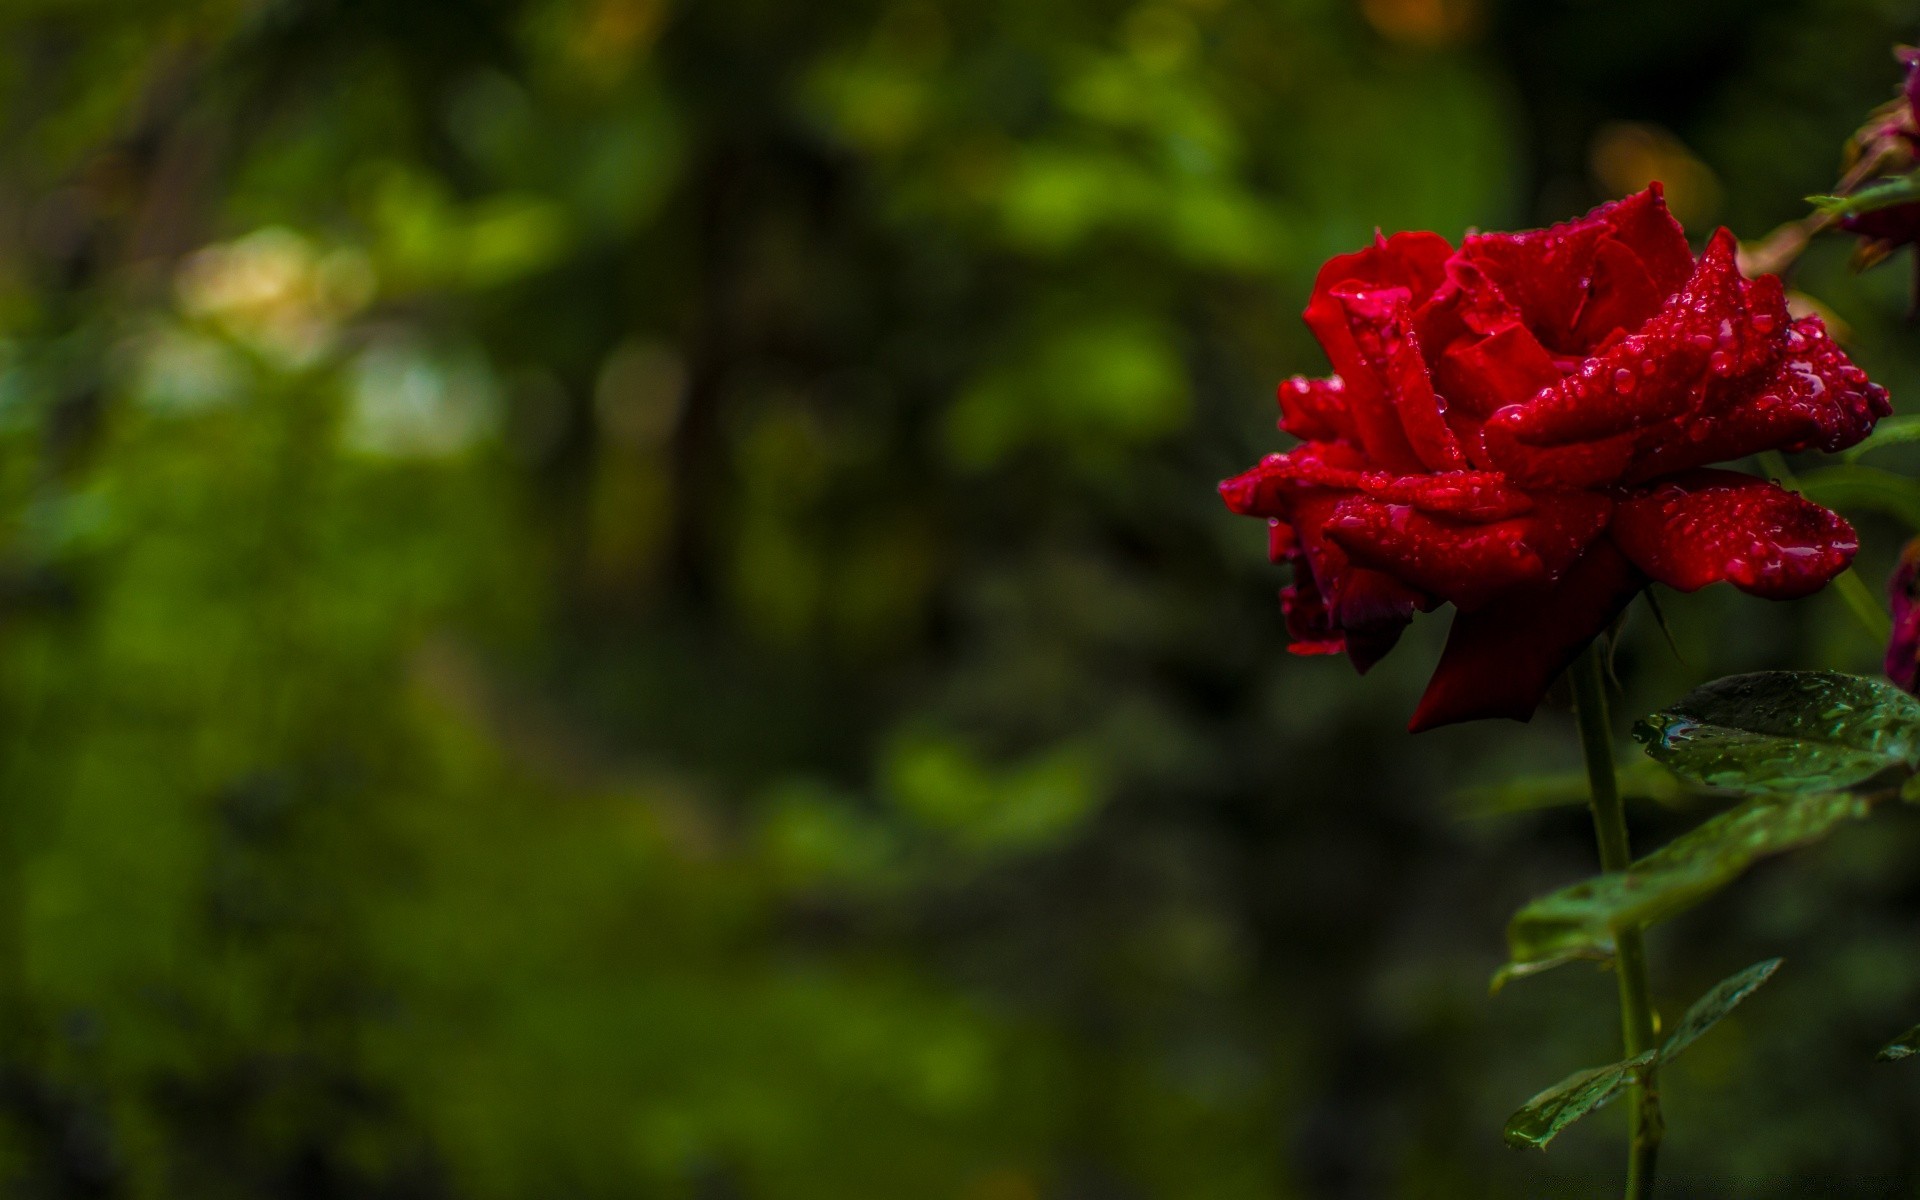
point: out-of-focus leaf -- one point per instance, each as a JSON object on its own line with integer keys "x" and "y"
{"x": 1856, "y": 487}
{"x": 1893, "y": 431}
{"x": 1786, "y": 731}
{"x": 1541, "y": 1119}
{"x": 1584, "y": 920}
{"x": 1716, "y": 1004}
{"x": 1642, "y": 778}
{"x": 1905, "y": 1046}
{"x": 1881, "y": 193}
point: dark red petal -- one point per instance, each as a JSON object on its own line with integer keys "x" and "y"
{"x": 1620, "y": 294}
{"x": 1373, "y": 610}
{"x": 1394, "y": 404}
{"x": 1415, "y": 261}
{"x": 1580, "y": 465}
{"x": 1271, "y": 489}
{"x": 1468, "y": 564}
{"x": 1485, "y": 375}
{"x": 1705, "y": 526}
{"x": 1712, "y": 334}
{"x": 1315, "y": 410}
{"x": 1814, "y": 397}
{"x": 1500, "y": 660}
{"x": 1467, "y": 495}
{"x": 1333, "y": 605}
{"x": 1371, "y": 414}
{"x": 1282, "y": 542}
{"x": 1554, "y": 275}
{"x": 1642, "y": 223}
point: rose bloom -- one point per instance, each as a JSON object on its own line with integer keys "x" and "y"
{"x": 1521, "y": 427}
{"x": 1889, "y": 144}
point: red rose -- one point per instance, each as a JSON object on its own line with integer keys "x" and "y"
{"x": 1521, "y": 427}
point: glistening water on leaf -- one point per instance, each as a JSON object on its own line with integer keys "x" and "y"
{"x": 1542, "y": 1118}
{"x": 1786, "y": 731}
{"x": 1905, "y": 1046}
{"x": 1584, "y": 921}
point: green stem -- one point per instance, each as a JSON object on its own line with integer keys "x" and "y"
{"x": 1630, "y": 960}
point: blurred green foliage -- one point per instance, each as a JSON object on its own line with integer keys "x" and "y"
{"x": 623, "y": 598}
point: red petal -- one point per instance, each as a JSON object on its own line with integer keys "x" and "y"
{"x": 1485, "y": 375}
{"x": 1356, "y": 314}
{"x": 1315, "y": 410}
{"x": 1271, "y": 489}
{"x": 1813, "y": 397}
{"x": 1469, "y": 564}
{"x": 1710, "y": 335}
{"x": 1620, "y": 294}
{"x": 1705, "y": 526}
{"x": 1333, "y": 605}
{"x": 1500, "y": 660}
{"x": 1371, "y": 414}
{"x": 1580, "y": 465}
{"x": 1551, "y": 273}
{"x": 1413, "y": 260}
{"x": 1399, "y": 419}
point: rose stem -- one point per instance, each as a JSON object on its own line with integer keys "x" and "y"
{"x": 1636, "y": 1004}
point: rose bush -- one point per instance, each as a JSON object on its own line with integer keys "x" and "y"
{"x": 1522, "y": 427}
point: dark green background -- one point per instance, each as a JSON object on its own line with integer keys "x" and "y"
{"x": 623, "y": 598}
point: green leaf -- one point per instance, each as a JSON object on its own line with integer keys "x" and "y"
{"x": 1541, "y": 1119}
{"x": 1881, "y": 193}
{"x": 1639, "y": 779}
{"x": 1855, "y": 487}
{"x": 1786, "y": 731}
{"x": 1905, "y": 1046}
{"x": 1717, "y": 1003}
{"x": 1584, "y": 921}
{"x": 1892, "y": 431}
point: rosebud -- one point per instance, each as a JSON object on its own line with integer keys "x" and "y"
{"x": 1903, "y": 649}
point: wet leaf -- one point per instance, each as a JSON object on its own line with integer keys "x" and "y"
{"x": 1851, "y": 488}
{"x": 1905, "y": 1046}
{"x": 1786, "y": 731}
{"x": 1583, "y": 921}
{"x": 1541, "y": 1119}
{"x": 1717, "y": 1003}
{"x": 1891, "y": 431}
